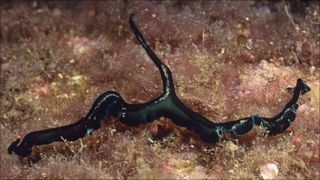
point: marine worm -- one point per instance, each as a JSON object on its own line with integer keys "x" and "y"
{"x": 167, "y": 105}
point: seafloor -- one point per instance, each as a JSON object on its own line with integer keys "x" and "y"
{"x": 228, "y": 59}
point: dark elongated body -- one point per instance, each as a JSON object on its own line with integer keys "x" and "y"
{"x": 111, "y": 103}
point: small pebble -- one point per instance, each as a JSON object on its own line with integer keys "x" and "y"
{"x": 269, "y": 171}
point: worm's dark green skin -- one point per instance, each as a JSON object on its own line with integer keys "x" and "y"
{"x": 168, "y": 105}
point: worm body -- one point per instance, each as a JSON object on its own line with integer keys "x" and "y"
{"x": 168, "y": 105}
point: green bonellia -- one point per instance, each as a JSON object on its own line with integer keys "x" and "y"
{"x": 168, "y": 105}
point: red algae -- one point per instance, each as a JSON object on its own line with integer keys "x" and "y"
{"x": 228, "y": 59}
